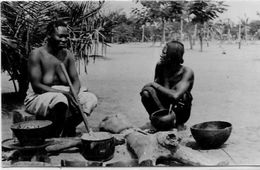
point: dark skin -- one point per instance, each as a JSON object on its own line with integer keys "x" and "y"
{"x": 44, "y": 65}
{"x": 171, "y": 81}
{"x": 45, "y": 71}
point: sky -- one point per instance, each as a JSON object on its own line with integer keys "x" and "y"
{"x": 237, "y": 8}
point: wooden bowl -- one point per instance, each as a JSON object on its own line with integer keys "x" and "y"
{"x": 31, "y": 133}
{"x": 212, "y": 134}
{"x": 162, "y": 120}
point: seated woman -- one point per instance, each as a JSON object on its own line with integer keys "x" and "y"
{"x": 49, "y": 96}
{"x": 172, "y": 84}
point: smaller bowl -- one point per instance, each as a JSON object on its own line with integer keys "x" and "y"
{"x": 162, "y": 120}
{"x": 31, "y": 133}
{"x": 212, "y": 134}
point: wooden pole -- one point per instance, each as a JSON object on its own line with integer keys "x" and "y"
{"x": 75, "y": 96}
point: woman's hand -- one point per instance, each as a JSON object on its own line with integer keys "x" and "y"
{"x": 72, "y": 101}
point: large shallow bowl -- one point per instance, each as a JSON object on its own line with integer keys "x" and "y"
{"x": 31, "y": 133}
{"x": 162, "y": 120}
{"x": 212, "y": 134}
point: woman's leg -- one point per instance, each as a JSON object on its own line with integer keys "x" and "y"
{"x": 88, "y": 102}
{"x": 50, "y": 106}
{"x": 183, "y": 109}
{"x": 150, "y": 100}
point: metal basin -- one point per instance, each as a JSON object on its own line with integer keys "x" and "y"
{"x": 212, "y": 134}
{"x": 31, "y": 133}
{"x": 98, "y": 146}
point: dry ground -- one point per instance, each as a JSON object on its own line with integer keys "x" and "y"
{"x": 227, "y": 87}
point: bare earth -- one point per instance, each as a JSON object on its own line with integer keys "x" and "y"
{"x": 226, "y": 88}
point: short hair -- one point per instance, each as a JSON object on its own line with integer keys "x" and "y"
{"x": 54, "y": 24}
{"x": 174, "y": 49}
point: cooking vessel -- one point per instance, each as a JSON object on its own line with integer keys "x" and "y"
{"x": 163, "y": 119}
{"x": 98, "y": 146}
{"x": 31, "y": 133}
{"x": 212, "y": 134}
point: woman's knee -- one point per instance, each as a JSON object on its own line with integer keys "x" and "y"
{"x": 59, "y": 98}
{"x": 145, "y": 94}
{"x": 89, "y": 101}
{"x": 61, "y": 105}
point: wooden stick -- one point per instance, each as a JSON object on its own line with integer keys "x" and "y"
{"x": 170, "y": 109}
{"x": 75, "y": 96}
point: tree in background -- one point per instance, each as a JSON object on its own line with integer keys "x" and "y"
{"x": 204, "y": 11}
{"x": 22, "y": 29}
{"x": 162, "y": 11}
{"x": 255, "y": 29}
{"x": 85, "y": 25}
{"x": 23, "y": 24}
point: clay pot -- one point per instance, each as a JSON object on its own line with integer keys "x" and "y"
{"x": 31, "y": 133}
{"x": 98, "y": 146}
{"x": 163, "y": 119}
{"x": 210, "y": 135}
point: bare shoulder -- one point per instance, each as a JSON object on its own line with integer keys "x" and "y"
{"x": 159, "y": 65}
{"x": 188, "y": 72}
{"x": 35, "y": 54}
{"x": 69, "y": 54}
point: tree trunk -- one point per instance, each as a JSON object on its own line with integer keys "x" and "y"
{"x": 201, "y": 39}
{"x": 239, "y": 37}
{"x": 229, "y": 35}
{"x": 142, "y": 33}
{"x": 207, "y": 37}
{"x": 163, "y": 34}
{"x": 190, "y": 40}
{"x": 194, "y": 34}
{"x": 181, "y": 29}
{"x": 201, "y": 43}
{"x": 245, "y": 33}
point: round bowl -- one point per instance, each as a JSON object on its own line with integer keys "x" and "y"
{"x": 31, "y": 133}
{"x": 162, "y": 120}
{"x": 98, "y": 146}
{"x": 212, "y": 134}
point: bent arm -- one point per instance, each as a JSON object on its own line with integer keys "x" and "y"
{"x": 157, "y": 73}
{"x": 73, "y": 74}
{"x": 184, "y": 85}
{"x": 35, "y": 75}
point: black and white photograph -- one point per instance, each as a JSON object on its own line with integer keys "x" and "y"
{"x": 133, "y": 83}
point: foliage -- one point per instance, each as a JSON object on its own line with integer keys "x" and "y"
{"x": 85, "y": 25}
{"x": 205, "y": 10}
{"x": 255, "y": 28}
{"x": 202, "y": 11}
{"x": 159, "y": 11}
{"x": 123, "y": 33}
{"x": 110, "y": 21}
{"x": 23, "y": 25}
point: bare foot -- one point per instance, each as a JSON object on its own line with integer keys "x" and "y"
{"x": 181, "y": 127}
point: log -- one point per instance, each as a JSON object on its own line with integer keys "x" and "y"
{"x": 60, "y": 144}
{"x": 151, "y": 147}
